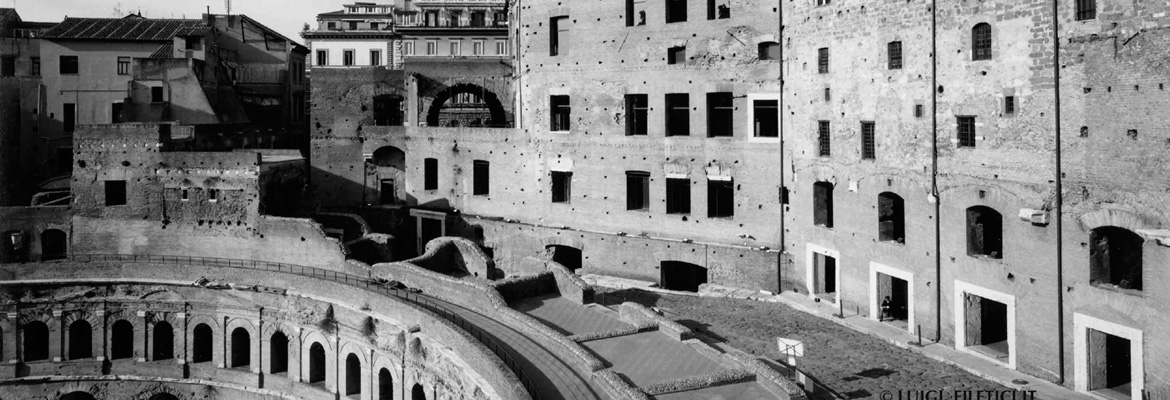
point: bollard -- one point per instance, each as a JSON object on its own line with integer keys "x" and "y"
{"x": 919, "y": 335}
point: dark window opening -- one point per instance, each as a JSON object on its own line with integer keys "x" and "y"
{"x": 375, "y": 57}
{"x": 894, "y": 50}
{"x": 69, "y": 65}
{"x": 768, "y": 51}
{"x": 823, "y": 140}
{"x": 678, "y": 196}
{"x": 8, "y": 66}
{"x": 986, "y": 326}
{"x": 718, "y": 9}
{"x": 1115, "y": 257}
{"x": 984, "y": 232}
{"x": 1109, "y": 364}
{"x": 682, "y": 276}
{"x": 479, "y": 177}
{"x": 868, "y": 141}
{"x": 80, "y": 340}
{"x": 981, "y": 42}
{"x": 634, "y": 16}
{"x": 241, "y": 348}
{"x": 430, "y": 174}
{"x": 637, "y": 109}
{"x": 1086, "y": 9}
{"x": 678, "y": 114}
{"x": 123, "y": 65}
{"x": 966, "y": 131}
{"x": 201, "y": 349}
{"x": 385, "y": 385}
{"x": 353, "y": 375}
{"x": 823, "y": 204}
{"x": 54, "y": 244}
{"x": 388, "y": 110}
{"x": 36, "y": 341}
{"x": 558, "y": 27}
{"x": 417, "y": 393}
{"x": 720, "y": 199}
{"x": 569, "y": 257}
{"x": 676, "y": 55}
{"x": 163, "y": 341}
{"x": 676, "y": 11}
{"x": 637, "y": 190}
{"x": 891, "y": 218}
{"x": 322, "y": 58}
{"x": 720, "y": 114}
{"x": 278, "y": 350}
{"x": 156, "y": 94}
{"x": 347, "y": 58}
{"x": 122, "y": 341}
{"x": 115, "y": 193}
{"x": 34, "y": 66}
{"x": 825, "y": 277}
{"x": 478, "y": 19}
{"x": 1009, "y": 105}
{"x": 560, "y": 109}
{"x": 767, "y": 118}
{"x": 823, "y": 60}
{"x": 919, "y": 111}
{"x": 69, "y": 117}
{"x": 562, "y": 183}
{"x": 316, "y": 363}
{"x": 388, "y": 192}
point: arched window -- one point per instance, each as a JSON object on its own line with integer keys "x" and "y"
{"x": 981, "y": 42}
{"x": 164, "y": 342}
{"x": 353, "y": 375}
{"x": 278, "y": 350}
{"x": 164, "y": 396}
{"x": 80, "y": 344}
{"x": 385, "y": 385}
{"x": 241, "y": 348}
{"x": 417, "y": 393}
{"x": 984, "y": 232}
{"x": 201, "y": 345}
{"x": 316, "y": 363}
{"x": 122, "y": 340}
{"x": 36, "y": 341}
{"x": 77, "y": 396}
{"x": 891, "y": 218}
{"x": 769, "y": 51}
{"x": 1115, "y": 257}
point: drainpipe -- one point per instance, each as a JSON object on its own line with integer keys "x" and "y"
{"x": 1059, "y": 196}
{"x": 780, "y": 108}
{"x": 934, "y": 170}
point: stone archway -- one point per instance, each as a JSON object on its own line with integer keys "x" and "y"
{"x": 442, "y": 114}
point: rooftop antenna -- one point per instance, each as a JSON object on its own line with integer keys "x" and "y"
{"x": 227, "y": 6}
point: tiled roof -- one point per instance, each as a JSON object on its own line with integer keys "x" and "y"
{"x": 167, "y": 50}
{"x": 130, "y": 28}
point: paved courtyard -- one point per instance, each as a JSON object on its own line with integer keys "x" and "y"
{"x": 851, "y": 365}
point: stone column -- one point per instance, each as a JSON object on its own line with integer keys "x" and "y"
{"x": 181, "y": 338}
{"x": 294, "y": 359}
{"x": 56, "y": 337}
{"x": 140, "y": 333}
{"x": 99, "y": 337}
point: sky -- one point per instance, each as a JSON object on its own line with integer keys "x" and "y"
{"x": 285, "y": 16}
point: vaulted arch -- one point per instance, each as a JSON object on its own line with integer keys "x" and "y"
{"x": 441, "y": 113}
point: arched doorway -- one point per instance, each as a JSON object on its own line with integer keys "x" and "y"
{"x": 316, "y": 363}
{"x": 201, "y": 345}
{"x": 568, "y": 256}
{"x": 353, "y": 375}
{"x": 54, "y": 244}
{"x": 241, "y": 348}
{"x": 278, "y": 350}
{"x": 164, "y": 341}
{"x": 122, "y": 340}
{"x": 390, "y": 164}
{"x": 417, "y": 393}
{"x": 678, "y": 275}
{"x": 463, "y": 103}
{"x": 80, "y": 340}
{"x": 385, "y": 385}
{"x": 36, "y": 341}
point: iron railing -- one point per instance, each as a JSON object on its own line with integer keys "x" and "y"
{"x": 425, "y": 302}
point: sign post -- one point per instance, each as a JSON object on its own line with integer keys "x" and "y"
{"x": 791, "y": 349}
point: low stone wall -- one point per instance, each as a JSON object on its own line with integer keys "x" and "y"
{"x": 639, "y": 315}
{"x": 447, "y": 255}
{"x": 570, "y": 285}
{"x": 517, "y": 289}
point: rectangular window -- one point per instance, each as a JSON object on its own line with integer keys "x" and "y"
{"x": 480, "y": 178}
{"x": 895, "y": 54}
{"x": 432, "y": 18}
{"x": 676, "y": 55}
{"x": 156, "y": 94}
{"x": 69, "y": 116}
{"x": 352, "y": 25}
{"x": 408, "y": 48}
{"x": 193, "y": 43}
{"x": 322, "y": 57}
{"x": 966, "y": 131}
{"x": 432, "y": 48}
{"x": 822, "y": 2}
{"x": 678, "y": 114}
{"x": 1086, "y": 9}
{"x": 501, "y": 47}
{"x": 1009, "y": 105}
{"x": 331, "y": 25}
{"x": 430, "y": 174}
{"x": 557, "y": 28}
{"x": 718, "y": 9}
{"x": 184, "y": 195}
{"x": 631, "y": 9}
{"x": 637, "y": 190}
{"x": 868, "y": 147}
{"x": 35, "y": 66}
{"x": 678, "y": 196}
{"x": 115, "y": 193}
{"x": 347, "y": 58}
{"x": 637, "y": 108}
{"x": 477, "y": 48}
{"x": 676, "y": 11}
{"x": 68, "y": 65}
{"x": 559, "y": 109}
{"x": 828, "y": 95}
{"x": 766, "y": 115}
{"x": 919, "y": 111}
{"x": 456, "y": 49}
{"x": 478, "y": 18}
{"x": 8, "y": 66}
{"x": 375, "y": 57}
{"x": 823, "y": 60}
{"x": 823, "y": 204}
{"x": 562, "y": 183}
{"x": 720, "y": 113}
{"x": 720, "y": 199}
{"x": 823, "y": 141}
{"x": 212, "y": 195}
{"x": 454, "y": 18}
{"x": 374, "y": 26}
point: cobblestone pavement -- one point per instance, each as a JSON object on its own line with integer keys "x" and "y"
{"x": 851, "y": 364}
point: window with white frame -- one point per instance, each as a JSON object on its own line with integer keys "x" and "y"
{"x": 477, "y": 48}
{"x": 456, "y": 49}
{"x": 432, "y": 47}
{"x": 501, "y": 47}
{"x": 408, "y": 48}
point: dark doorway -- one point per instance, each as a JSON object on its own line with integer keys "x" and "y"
{"x": 241, "y": 348}
{"x": 678, "y": 275}
{"x": 568, "y": 256}
{"x": 385, "y": 385}
{"x": 1109, "y": 364}
{"x": 987, "y": 327}
{"x": 353, "y": 375}
{"x": 36, "y": 341}
{"x": 201, "y": 345}
{"x": 896, "y": 310}
{"x": 80, "y": 340}
{"x": 164, "y": 342}
{"x": 122, "y": 340}
{"x": 825, "y": 276}
{"x": 278, "y": 353}
{"x": 388, "y": 110}
{"x": 1115, "y": 257}
{"x": 116, "y": 113}
{"x": 429, "y": 229}
{"x": 54, "y": 244}
{"x": 316, "y": 363}
{"x": 417, "y": 393}
{"x": 387, "y": 191}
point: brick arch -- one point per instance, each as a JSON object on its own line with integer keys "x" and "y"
{"x": 562, "y": 240}
{"x": 499, "y": 116}
{"x": 822, "y": 174}
{"x": 73, "y": 316}
{"x": 1114, "y": 217}
{"x": 230, "y": 344}
{"x": 31, "y": 316}
{"x": 149, "y": 394}
{"x": 362, "y": 352}
{"x": 390, "y": 364}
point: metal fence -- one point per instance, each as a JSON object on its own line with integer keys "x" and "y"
{"x": 423, "y": 301}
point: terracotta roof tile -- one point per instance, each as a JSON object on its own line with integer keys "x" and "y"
{"x": 129, "y": 28}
